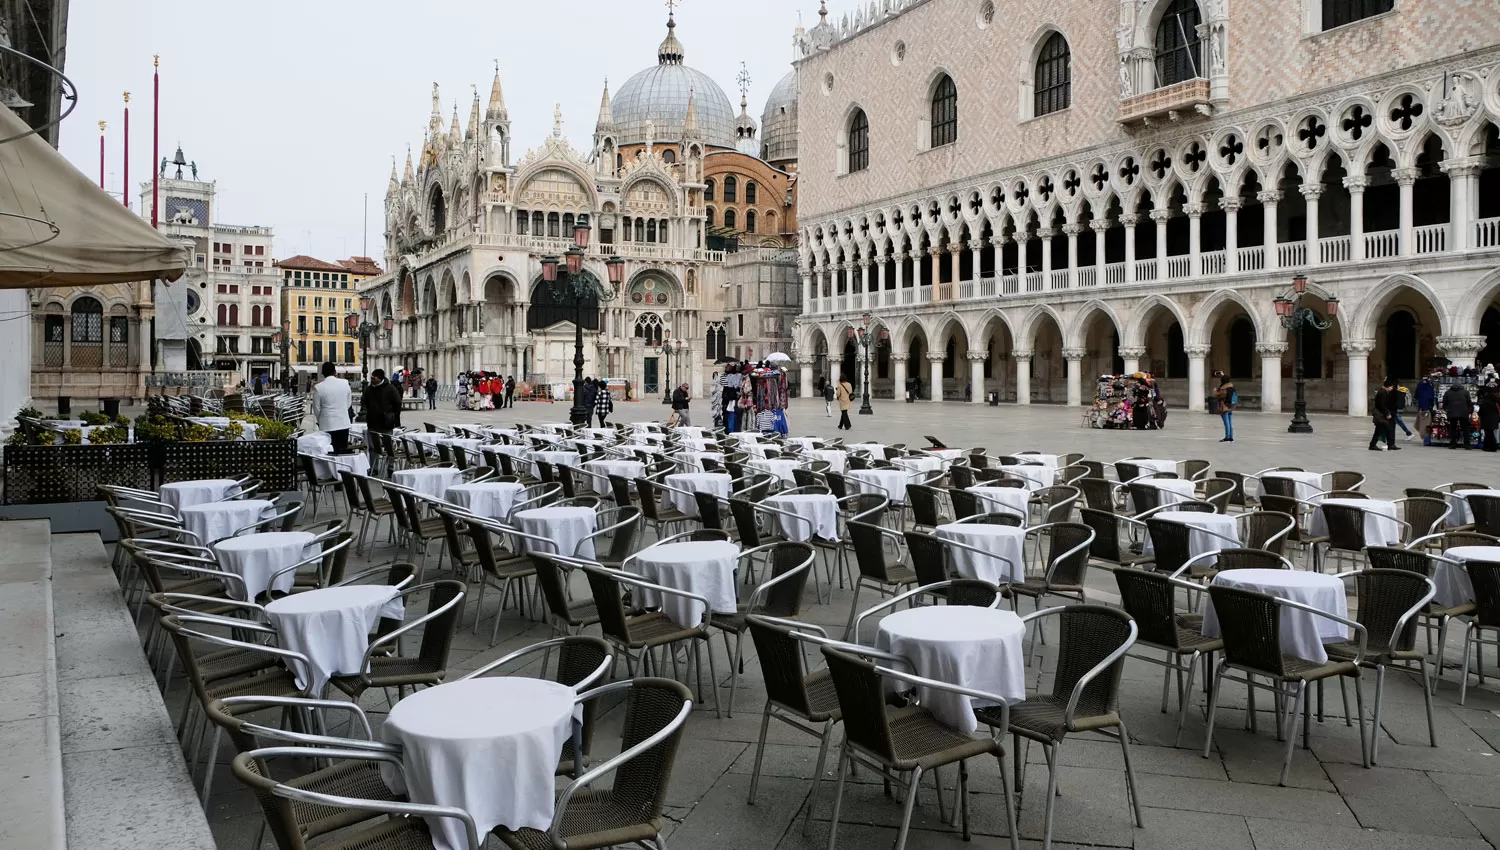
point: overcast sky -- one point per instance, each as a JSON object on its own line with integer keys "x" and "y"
{"x": 295, "y": 107}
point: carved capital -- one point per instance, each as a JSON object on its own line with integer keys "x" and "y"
{"x": 1465, "y": 167}
{"x": 1130, "y": 220}
{"x": 976, "y": 244}
{"x": 1196, "y": 351}
{"x": 1099, "y": 225}
{"x": 934, "y": 357}
{"x": 1161, "y": 216}
{"x": 1457, "y": 347}
{"x": 1072, "y": 229}
{"x": 977, "y": 356}
{"x": 1074, "y": 355}
{"x": 1358, "y": 347}
{"x": 1271, "y": 196}
{"x": 1406, "y": 176}
{"x": 900, "y": 358}
{"x": 1313, "y": 191}
{"x": 1021, "y": 237}
{"x": 1045, "y": 233}
{"x": 1192, "y": 210}
{"x": 1270, "y": 349}
{"x": 1022, "y": 355}
{"x": 1132, "y": 352}
{"x": 1231, "y": 205}
{"x": 864, "y": 264}
{"x": 955, "y": 247}
{"x": 1355, "y": 185}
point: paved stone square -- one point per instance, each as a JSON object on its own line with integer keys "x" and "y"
{"x": 1417, "y": 796}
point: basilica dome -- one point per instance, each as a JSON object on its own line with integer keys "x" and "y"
{"x": 659, "y": 96}
{"x": 778, "y": 123}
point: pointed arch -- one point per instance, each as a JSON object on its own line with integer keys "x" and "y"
{"x": 984, "y": 327}
{"x": 1135, "y": 328}
{"x": 1371, "y": 304}
{"x": 940, "y": 328}
{"x": 1476, "y": 301}
{"x": 1202, "y": 325}
{"x": 902, "y": 335}
{"x": 1076, "y": 334}
{"x": 1026, "y": 336}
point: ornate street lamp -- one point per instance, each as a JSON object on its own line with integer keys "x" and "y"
{"x": 1295, "y": 317}
{"x": 281, "y": 341}
{"x": 867, "y": 341}
{"x": 356, "y": 325}
{"x": 572, "y": 281}
{"x": 670, "y": 348}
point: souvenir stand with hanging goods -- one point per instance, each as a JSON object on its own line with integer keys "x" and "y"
{"x": 768, "y": 398}
{"x": 1111, "y": 407}
{"x": 1473, "y": 382}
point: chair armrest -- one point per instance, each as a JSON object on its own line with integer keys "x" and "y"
{"x": 543, "y": 646}
{"x": 1358, "y": 627}
{"x": 394, "y": 636}
{"x": 353, "y": 709}
{"x": 1087, "y": 678}
{"x": 637, "y": 581}
{"x": 923, "y": 682}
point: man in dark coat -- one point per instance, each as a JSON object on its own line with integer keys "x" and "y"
{"x": 1384, "y": 417}
{"x": 1457, "y": 405}
{"x": 381, "y": 403}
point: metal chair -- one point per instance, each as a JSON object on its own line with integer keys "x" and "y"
{"x": 1485, "y": 615}
{"x": 1266, "y": 530}
{"x": 779, "y": 596}
{"x": 876, "y": 569}
{"x": 430, "y": 665}
{"x": 1148, "y": 598}
{"x": 1066, "y": 560}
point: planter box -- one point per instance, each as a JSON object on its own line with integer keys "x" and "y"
{"x": 272, "y": 461}
{"x": 39, "y": 475}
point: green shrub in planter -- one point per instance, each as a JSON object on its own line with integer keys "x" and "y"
{"x": 72, "y": 437}
{"x": 109, "y": 435}
{"x": 91, "y": 417}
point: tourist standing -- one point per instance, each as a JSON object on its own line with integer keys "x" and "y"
{"x": 1489, "y": 415}
{"x": 1398, "y": 404}
{"x": 1384, "y": 417}
{"x": 510, "y": 391}
{"x": 604, "y": 405}
{"x": 1426, "y": 401}
{"x": 845, "y": 394}
{"x": 680, "y": 401}
{"x": 1457, "y": 405}
{"x": 828, "y": 397}
{"x": 381, "y": 402}
{"x": 432, "y": 387}
{"x": 1228, "y": 398}
{"x": 330, "y": 407}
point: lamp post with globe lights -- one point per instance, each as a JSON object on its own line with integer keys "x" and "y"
{"x": 1295, "y": 317}
{"x": 571, "y": 281}
{"x": 282, "y": 342}
{"x": 356, "y": 325}
{"x": 867, "y": 340}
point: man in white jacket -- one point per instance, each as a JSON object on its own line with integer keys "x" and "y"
{"x": 330, "y": 407}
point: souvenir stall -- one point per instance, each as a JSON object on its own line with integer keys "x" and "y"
{"x": 1112, "y": 403}
{"x": 1472, "y": 380}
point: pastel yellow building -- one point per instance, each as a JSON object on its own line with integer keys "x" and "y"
{"x": 316, "y": 299}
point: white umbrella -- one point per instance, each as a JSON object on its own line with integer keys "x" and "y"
{"x": 778, "y": 357}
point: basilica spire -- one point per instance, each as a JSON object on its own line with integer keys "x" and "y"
{"x": 473, "y": 116}
{"x": 670, "y": 51}
{"x": 453, "y": 132}
{"x": 496, "y": 109}
{"x": 690, "y": 121}
{"x": 395, "y": 182}
{"x": 606, "y": 118}
{"x": 408, "y": 177}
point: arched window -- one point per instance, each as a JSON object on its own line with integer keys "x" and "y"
{"x": 729, "y": 219}
{"x": 1179, "y": 50}
{"x": 708, "y": 190}
{"x": 1054, "y": 76}
{"x": 628, "y": 229}
{"x": 538, "y": 224}
{"x": 88, "y": 332}
{"x": 223, "y": 315}
{"x": 550, "y": 305}
{"x": 859, "y": 141}
{"x": 648, "y": 327}
{"x": 710, "y": 217}
{"x": 554, "y": 225}
{"x": 438, "y": 210}
{"x": 669, "y": 156}
{"x": 523, "y": 222}
{"x": 255, "y": 316}
{"x": 567, "y": 225}
{"x": 750, "y": 221}
{"x": 661, "y": 231}
{"x": 651, "y": 230}
{"x": 750, "y": 192}
{"x": 944, "y": 112}
{"x": 731, "y": 189}
{"x": 234, "y": 314}
{"x": 717, "y": 342}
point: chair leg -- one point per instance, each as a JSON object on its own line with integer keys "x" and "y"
{"x": 1427, "y": 697}
{"x": 713, "y": 682}
{"x": 838, "y": 796}
{"x": 1052, "y": 751}
{"x": 1213, "y": 707}
{"x": 1463, "y": 684}
{"x": 1135, "y": 798}
{"x": 1183, "y": 697}
{"x": 1379, "y": 699}
{"x": 853, "y": 608}
{"x": 1010, "y": 801}
{"x": 911, "y": 802}
{"x": 1359, "y": 705}
{"x": 1291, "y": 738}
{"x": 812, "y": 798}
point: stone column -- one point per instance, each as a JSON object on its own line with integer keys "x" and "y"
{"x": 1131, "y": 358}
{"x": 1270, "y": 375}
{"x": 864, "y": 284}
{"x": 900, "y": 259}
{"x": 879, "y": 300}
{"x": 954, "y": 266}
{"x": 1023, "y": 375}
{"x": 1311, "y": 192}
{"x": 935, "y": 375}
{"x": 1358, "y": 353}
{"x": 1356, "y": 187}
{"x": 898, "y": 376}
{"x": 1074, "y": 358}
{"x": 1161, "y": 217}
{"x": 1231, "y": 208}
{"x": 1268, "y": 201}
{"x": 1195, "y": 238}
{"x": 1405, "y": 179}
{"x": 1072, "y": 229}
{"x": 1463, "y": 179}
{"x": 1045, "y": 234}
{"x": 976, "y": 374}
{"x": 1021, "y": 238}
{"x": 835, "y": 366}
{"x": 1100, "y": 227}
{"x": 1462, "y": 350}
{"x": 1196, "y": 355}
{"x": 976, "y": 249}
{"x": 1129, "y": 222}
{"x": 937, "y": 265}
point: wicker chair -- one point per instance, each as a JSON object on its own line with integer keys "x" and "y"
{"x": 1098, "y": 494}
{"x": 1056, "y": 502}
{"x": 1109, "y": 546}
{"x": 445, "y": 605}
{"x": 1346, "y": 480}
{"x": 1486, "y": 512}
{"x": 1093, "y": 641}
{"x": 779, "y": 596}
{"x": 656, "y": 516}
{"x": 1423, "y": 514}
{"x": 1148, "y": 598}
{"x": 1485, "y": 615}
{"x": 876, "y": 570}
{"x": 893, "y": 741}
{"x": 978, "y": 459}
{"x": 925, "y": 505}
{"x": 1171, "y": 543}
{"x": 1426, "y": 564}
{"x": 1239, "y": 497}
{"x": 1346, "y": 533}
{"x": 1251, "y": 625}
{"x": 960, "y": 476}
{"x": 498, "y": 567}
{"x": 1220, "y": 493}
{"x": 1066, "y": 556}
{"x": 1292, "y": 507}
{"x": 965, "y": 504}
{"x": 1194, "y": 470}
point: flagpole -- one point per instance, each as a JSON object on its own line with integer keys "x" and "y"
{"x": 125, "y": 195}
{"x": 155, "y": 135}
{"x": 101, "y": 154}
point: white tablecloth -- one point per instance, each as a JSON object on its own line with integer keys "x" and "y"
{"x": 329, "y": 466}
{"x": 999, "y": 500}
{"x": 756, "y": 451}
{"x": 875, "y": 449}
{"x": 1451, "y": 582}
{"x": 1001, "y": 540}
{"x": 890, "y": 483}
{"x": 804, "y": 442}
{"x": 926, "y": 465}
{"x": 703, "y": 567}
{"x": 645, "y": 438}
{"x": 690, "y": 430}
{"x": 316, "y": 443}
{"x": 1381, "y": 528}
{"x": 556, "y": 427}
{"x": 332, "y": 627}
{"x": 600, "y": 470}
{"x": 1048, "y": 462}
{"x": 1199, "y": 541}
{"x": 462, "y": 442}
{"x": 600, "y": 433}
{"x": 491, "y": 499}
{"x": 1155, "y": 465}
{"x": 1307, "y": 486}
{"x": 779, "y": 467}
{"x": 745, "y": 436}
{"x": 564, "y": 526}
{"x": 254, "y": 557}
{"x": 821, "y": 508}
{"x": 488, "y": 746}
{"x": 697, "y": 458}
{"x": 1036, "y": 477}
{"x": 584, "y": 445}
{"x": 430, "y": 481}
{"x": 512, "y": 449}
{"x": 1459, "y": 500}
{"x": 964, "y": 645}
{"x": 555, "y": 458}
{"x": 701, "y": 444}
{"x": 718, "y": 483}
{"x": 1173, "y": 491}
{"x": 949, "y": 455}
{"x": 181, "y": 494}
{"x": 837, "y": 461}
{"x": 213, "y": 520}
{"x": 1302, "y": 633}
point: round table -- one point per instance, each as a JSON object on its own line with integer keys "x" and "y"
{"x": 1199, "y": 540}
{"x": 555, "y": 458}
{"x": 821, "y": 509}
{"x": 565, "y": 527}
{"x": 756, "y": 451}
{"x": 875, "y": 449}
{"x": 211, "y": 521}
{"x": 1381, "y": 527}
{"x": 316, "y": 443}
{"x": 462, "y": 443}
{"x": 556, "y": 427}
{"x": 690, "y": 430}
{"x": 700, "y": 444}
{"x": 182, "y": 494}
{"x": 807, "y": 443}
{"x": 1302, "y": 632}
{"x": 699, "y": 457}
{"x": 949, "y": 455}
{"x": 718, "y": 483}
{"x": 600, "y": 470}
{"x": 1172, "y": 491}
{"x": 1036, "y": 477}
{"x": 488, "y": 746}
{"x": 1307, "y": 486}
{"x": 890, "y": 483}
{"x": 600, "y": 433}
{"x": 512, "y": 449}
{"x": 491, "y": 499}
{"x": 430, "y": 481}
{"x": 703, "y": 567}
{"x": 1003, "y": 500}
{"x": 255, "y": 557}
{"x": 838, "y": 461}
{"x": 332, "y": 627}
{"x": 926, "y": 465}
{"x": 964, "y": 645}
{"x": 781, "y": 468}
{"x": 1451, "y": 581}
{"x": 1048, "y": 462}
{"x": 647, "y": 437}
{"x": 1459, "y": 500}
{"x": 330, "y": 465}
{"x": 1003, "y": 541}
{"x": 1155, "y": 465}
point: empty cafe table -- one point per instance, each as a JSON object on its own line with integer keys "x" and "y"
{"x": 430, "y": 481}
{"x": 1006, "y": 545}
{"x": 598, "y": 472}
{"x": 555, "y": 458}
{"x": 964, "y": 645}
{"x": 462, "y": 442}
{"x": 926, "y": 465}
{"x": 704, "y": 567}
{"x": 491, "y": 499}
{"x": 1036, "y": 477}
{"x": 330, "y": 465}
{"x": 565, "y": 527}
{"x": 1003, "y": 500}
{"x": 215, "y": 520}
{"x": 820, "y": 510}
{"x": 488, "y": 746}
{"x": 1381, "y": 527}
{"x": 1302, "y": 633}
{"x": 718, "y": 483}
{"x": 316, "y": 443}
{"x": 1208, "y": 535}
{"x": 181, "y": 494}
{"x": 332, "y": 627}
{"x": 1149, "y": 464}
{"x": 890, "y": 483}
{"x": 838, "y": 461}
{"x": 697, "y": 458}
{"x": 1459, "y": 500}
{"x": 256, "y": 557}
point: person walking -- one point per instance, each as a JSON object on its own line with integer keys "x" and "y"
{"x": 381, "y": 402}
{"x": 828, "y": 396}
{"x": 1457, "y": 405}
{"x": 1489, "y": 416}
{"x": 1426, "y": 401}
{"x": 1228, "y": 398}
{"x": 604, "y": 405}
{"x": 1398, "y": 404}
{"x": 432, "y": 387}
{"x": 330, "y": 407}
{"x": 1384, "y": 417}
{"x": 510, "y": 391}
{"x": 846, "y": 399}
{"x": 680, "y": 403}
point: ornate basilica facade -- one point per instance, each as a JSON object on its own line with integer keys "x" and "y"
{"x": 1026, "y": 202}
{"x": 673, "y": 183}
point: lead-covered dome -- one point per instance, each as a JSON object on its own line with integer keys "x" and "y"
{"x": 659, "y": 96}
{"x": 778, "y": 123}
